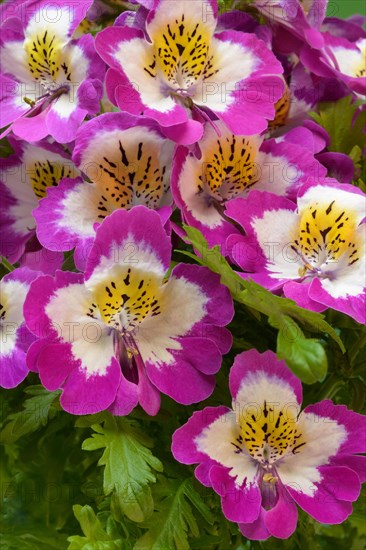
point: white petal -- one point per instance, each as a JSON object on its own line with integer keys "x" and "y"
{"x": 126, "y": 254}
{"x": 323, "y": 438}
{"x": 168, "y": 12}
{"x": 217, "y": 442}
{"x": 349, "y": 280}
{"x": 351, "y": 61}
{"x": 259, "y": 387}
{"x": 92, "y": 342}
{"x": 276, "y": 231}
{"x": 14, "y": 61}
{"x": 79, "y": 210}
{"x": 147, "y": 86}
{"x": 52, "y": 17}
{"x": 234, "y": 64}
{"x": 182, "y": 305}
{"x": 275, "y": 174}
{"x": 18, "y": 180}
{"x": 196, "y": 203}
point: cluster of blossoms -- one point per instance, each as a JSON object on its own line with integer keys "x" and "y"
{"x": 174, "y": 112}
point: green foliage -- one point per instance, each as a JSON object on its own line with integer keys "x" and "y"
{"x": 174, "y": 518}
{"x": 129, "y": 465}
{"x": 344, "y": 123}
{"x": 96, "y": 537}
{"x": 36, "y": 411}
{"x": 306, "y": 357}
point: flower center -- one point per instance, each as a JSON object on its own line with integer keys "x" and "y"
{"x": 181, "y": 53}
{"x": 128, "y": 175}
{"x": 360, "y": 69}
{"x": 46, "y": 61}
{"x": 282, "y": 109}
{"x": 268, "y": 435}
{"x": 128, "y": 297}
{"x": 49, "y": 64}
{"x": 327, "y": 235}
{"x": 46, "y": 174}
{"x": 230, "y": 169}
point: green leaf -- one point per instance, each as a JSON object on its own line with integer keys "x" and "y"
{"x": 356, "y": 155}
{"x": 96, "y": 538}
{"x": 36, "y": 411}
{"x": 89, "y": 523}
{"x": 253, "y": 295}
{"x": 305, "y": 357}
{"x": 338, "y": 118}
{"x": 174, "y": 520}
{"x": 129, "y": 465}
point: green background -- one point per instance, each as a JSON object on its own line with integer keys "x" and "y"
{"x": 346, "y": 8}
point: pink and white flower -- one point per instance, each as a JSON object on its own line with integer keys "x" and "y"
{"x": 339, "y": 59}
{"x": 315, "y": 250}
{"x": 264, "y": 455}
{"x": 300, "y": 18}
{"x": 183, "y": 73}
{"x": 123, "y": 333}
{"x": 47, "y": 74}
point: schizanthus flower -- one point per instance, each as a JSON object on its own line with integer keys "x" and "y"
{"x": 123, "y": 333}
{"x": 315, "y": 251}
{"x": 182, "y": 72}
{"x": 47, "y": 74}
{"x": 264, "y": 456}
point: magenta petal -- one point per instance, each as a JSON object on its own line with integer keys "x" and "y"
{"x": 185, "y": 133}
{"x": 149, "y": 396}
{"x": 182, "y": 380}
{"x": 354, "y": 306}
{"x": 137, "y": 229}
{"x": 55, "y": 362}
{"x": 202, "y": 472}
{"x": 33, "y": 128}
{"x": 240, "y": 504}
{"x": 126, "y": 398}
{"x": 331, "y": 503}
{"x": 221, "y": 336}
{"x": 89, "y": 395}
{"x": 257, "y": 529}
{"x": 204, "y": 354}
{"x": 34, "y": 352}
{"x": 299, "y": 292}
{"x": 356, "y": 463}
{"x": 281, "y": 520}
{"x": 13, "y": 369}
